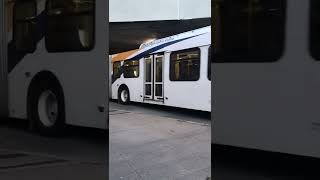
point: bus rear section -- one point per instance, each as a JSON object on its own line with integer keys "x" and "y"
{"x": 56, "y": 62}
{"x": 267, "y": 81}
{"x": 172, "y": 71}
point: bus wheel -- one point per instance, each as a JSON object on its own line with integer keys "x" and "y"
{"x": 47, "y": 109}
{"x": 124, "y": 96}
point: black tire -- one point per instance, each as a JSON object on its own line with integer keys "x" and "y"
{"x": 121, "y": 98}
{"x": 37, "y": 95}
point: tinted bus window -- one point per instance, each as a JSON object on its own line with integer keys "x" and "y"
{"x": 248, "y": 30}
{"x": 25, "y": 13}
{"x": 70, "y": 25}
{"x": 131, "y": 69}
{"x": 185, "y": 65}
{"x": 116, "y": 69}
{"x": 315, "y": 29}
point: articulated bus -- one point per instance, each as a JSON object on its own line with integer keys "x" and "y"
{"x": 266, "y": 74}
{"x": 172, "y": 71}
{"x": 53, "y": 65}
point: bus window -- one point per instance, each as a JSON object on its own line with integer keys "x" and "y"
{"x": 116, "y": 70}
{"x": 131, "y": 69}
{"x": 315, "y": 29}
{"x": 209, "y": 63}
{"x": 158, "y": 69}
{"x": 148, "y": 70}
{"x": 25, "y": 13}
{"x": 70, "y": 25}
{"x": 248, "y": 30}
{"x": 185, "y": 65}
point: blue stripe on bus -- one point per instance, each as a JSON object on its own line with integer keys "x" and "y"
{"x": 150, "y": 51}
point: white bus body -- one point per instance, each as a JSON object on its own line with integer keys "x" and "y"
{"x": 60, "y": 41}
{"x": 154, "y": 83}
{"x": 272, "y": 106}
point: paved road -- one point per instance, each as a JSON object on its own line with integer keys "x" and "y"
{"x": 164, "y": 111}
{"x": 242, "y": 164}
{"x": 159, "y": 143}
{"x": 81, "y": 155}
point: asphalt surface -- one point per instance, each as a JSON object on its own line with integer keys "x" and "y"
{"x": 149, "y": 142}
{"x": 246, "y": 164}
{"x": 81, "y": 155}
{"x": 165, "y": 111}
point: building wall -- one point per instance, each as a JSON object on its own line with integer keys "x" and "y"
{"x": 153, "y": 10}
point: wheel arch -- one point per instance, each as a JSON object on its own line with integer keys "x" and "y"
{"x": 42, "y": 76}
{"x": 123, "y": 86}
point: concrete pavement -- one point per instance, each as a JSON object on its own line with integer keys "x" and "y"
{"x": 148, "y": 147}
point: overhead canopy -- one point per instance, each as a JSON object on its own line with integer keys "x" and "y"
{"x": 125, "y": 36}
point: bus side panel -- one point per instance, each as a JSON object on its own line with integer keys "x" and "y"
{"x": 136, "y": 94}
{"x": 185, "y": 93}
{"x": 135, "y": 85}
{"x": 189, "y": 94}
{"x": 83, "y": 76}
{"x": 272, "y": 106}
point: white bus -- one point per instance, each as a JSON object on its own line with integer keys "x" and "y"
{"x": 172, "y": 71}
{"x": 53, "y": 65}
{"x": 267, "y": 75}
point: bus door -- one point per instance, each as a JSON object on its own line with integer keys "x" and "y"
{"x": 158, "y": 77}
{"x": 153, "y": 77}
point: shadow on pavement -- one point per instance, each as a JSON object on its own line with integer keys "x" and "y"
{"x": 230, "y": 162}
{"x": 171, "y": 110}
{"x": 83, "y": 133}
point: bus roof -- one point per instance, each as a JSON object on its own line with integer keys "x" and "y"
{"x": 187, "y": 34}
{"x": 156, "y": 45}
